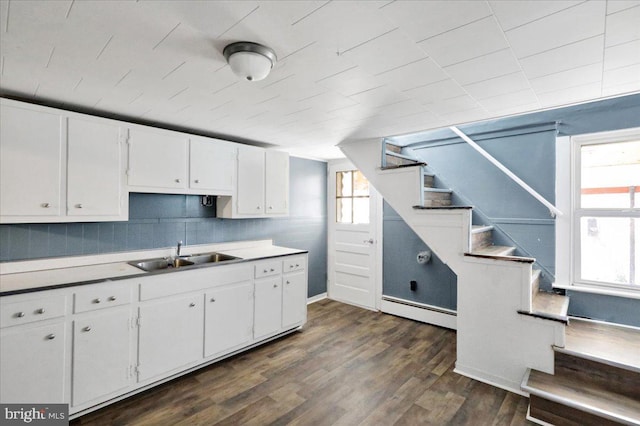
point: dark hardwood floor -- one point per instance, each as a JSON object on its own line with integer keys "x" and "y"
{"x": 348, "y": 366}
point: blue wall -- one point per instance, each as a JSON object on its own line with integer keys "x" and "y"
{"x": 160, "y": 220}
{"x": 526, "y": 145}
{"x": 436, "y": 283}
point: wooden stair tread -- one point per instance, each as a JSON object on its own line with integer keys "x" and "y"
{"x": 520, "y": 259}
{"x": 550, "y": 304}
{"x": 583, "y": 395}
{"x": 430, "y": 189}
{"x": 443, "y": 207}
{"x": 400, "y": 166}
{"x": 607, "y": 343}
{"x": 495, "y": 250}
{"x": 480, "y": 228}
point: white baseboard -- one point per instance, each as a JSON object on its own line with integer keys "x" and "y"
{"x": 499, "y": 382}
{"x": 442, "y": 319}
{"x": 316, "y": 298}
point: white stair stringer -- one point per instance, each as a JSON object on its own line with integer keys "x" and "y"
{"x": 495, "y": 344}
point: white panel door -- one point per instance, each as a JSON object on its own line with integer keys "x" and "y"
{"x": 228, "y": 317}
{"x": 101, "y": 354}
{"x": 276, "y": 182}
{"x": 170, "y": 335}
{"x": 268, "y": 306}
{"x": 354, "y": 238}
{"x": 158, "y": 159}
{"x": 213, "y": 165}
{"x": 250, "y": 181}
{"x": 32, "y": 364}
{"x": 94, "y": 168}
{"x": 31, "y": 147}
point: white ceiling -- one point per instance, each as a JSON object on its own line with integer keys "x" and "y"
{"x": 345, "y": 68}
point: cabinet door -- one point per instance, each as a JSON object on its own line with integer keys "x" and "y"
{"x": 294, "y": 299}
{"x": 212, "y": 164}
{"x": 32, "y": 364}
{"x": 276, "y": 182}
{"x": 250, "y": 181}
{"x": 268, "y": 306}
{"x": 31, "y": 146}
{"x": 228, "y": 317}
{"x": 101, "y": 354}
{"x": 170, "y": 335}
{"x": 94, "y": 169}
{"x": 157, "y": 160}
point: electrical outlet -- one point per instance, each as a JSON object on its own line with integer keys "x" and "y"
{"x": 414, "y": 285}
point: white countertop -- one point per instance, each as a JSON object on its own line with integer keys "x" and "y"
{"x": 40, "y": 274}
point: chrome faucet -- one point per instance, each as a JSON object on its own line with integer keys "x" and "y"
{"x": 178, "y": 249}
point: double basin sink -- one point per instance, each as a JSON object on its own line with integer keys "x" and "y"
{"x": 156, "y": 264}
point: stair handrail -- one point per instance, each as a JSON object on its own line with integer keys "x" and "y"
{"x": 552, "y": 209}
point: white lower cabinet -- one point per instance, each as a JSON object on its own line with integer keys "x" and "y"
{"x": 32, "y": 364}
{"x": 228, "y": 317}
{"x": 170, "y": 335}
{"x": 294, "y": 299}
{"x": 101, "y": 354}
{"x": 268, "y": 306}
{"x": 160, "y": 325}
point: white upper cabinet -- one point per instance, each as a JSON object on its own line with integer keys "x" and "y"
{"x": 212, "y": 164}
{"x": 59, "y": 166}
{"x": 250, "y": 194}
{"x": 262, "y": 187}
{"x": 158, "y": 160}
{"x": 277, "y": 182}
{"x": 31, "y": 155}
{"x": 95, "y": 169}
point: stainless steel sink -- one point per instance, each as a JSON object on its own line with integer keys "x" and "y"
{"x": 180, "y": 262}
{"x": 210, "y": 258}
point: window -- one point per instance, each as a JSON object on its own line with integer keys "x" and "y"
{"x": 605, "y": 224}
{"x": 352, "y": 197}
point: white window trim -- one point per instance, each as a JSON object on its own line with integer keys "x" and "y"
{"x": 565, "y": 201}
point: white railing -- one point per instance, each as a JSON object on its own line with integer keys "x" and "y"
{"x": 552, "y": 209}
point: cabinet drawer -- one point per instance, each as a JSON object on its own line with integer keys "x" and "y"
{"x": 266, "y": 269}
{"x": 101, "y": 296}
{"x": 32, "y": 310}
{"x": 293, "y": 264}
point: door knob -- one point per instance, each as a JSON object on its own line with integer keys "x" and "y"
{"x": 369, "y": 241}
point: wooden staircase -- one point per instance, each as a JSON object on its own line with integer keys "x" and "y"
{"x": 596, "y": 379}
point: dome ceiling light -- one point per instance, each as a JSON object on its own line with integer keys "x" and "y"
{"x": 250, "y": 61}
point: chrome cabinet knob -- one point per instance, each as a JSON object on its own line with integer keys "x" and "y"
{"x": 275, "y": 286}
{"x": 51, "y": 336}
{"x": 177, "y": 180}
{"x": 270, "y": 207}
{"x": 272, "y": 269}
{"x": 96, "y": 300}
{"x": 19, "y": 314}
{"x": 191, "y": 305}
{"x": 258, "y": 208}
{"x": 213, "y": 299}
{"x": 87, "y": 328}
{"x": 288, "y": 282}
{"x": 78, "y": 206}
{"x": 45, "y": 205}
{"x": 197, "y": 181}
{"x": 297, "y": 265}
{"x": 40, "y": 311}
{"x": 112, "y": 298}
{"x": 265, "y": 271}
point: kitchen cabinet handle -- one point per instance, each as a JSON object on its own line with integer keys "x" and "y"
{"x": 197, "y": 181}
{"x": 177, "y": 180}
{"x": 275, "y": 286}
{"x": 96, "y": 300}
{"x": 19, "y": 314}
{"x": 272, "y": 269}
{"x": 191, "y": 305}
{"x": 270, "y": 207}
{"x": 291, "y": 266}
{"x": 213, "y": 299}
{"x": 112, "y": 298}
{"x": 40, "y": 311}
{"x": 258, "y": 207}
{"x": 288, "y": 282}
{"x": 87, "y": 328}
{"x": 51, "y": 336}
{"x": 78, "y": 206}
{"x": 265, "y": 271}
{"x": 297, "y": 265}
{"x": 45, "y": 205}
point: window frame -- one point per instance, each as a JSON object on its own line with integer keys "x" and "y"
{"x": 351, "y": 197}
{"x": 568, "y": 192}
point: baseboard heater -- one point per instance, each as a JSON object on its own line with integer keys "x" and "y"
{"x": 422, "y": 312}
